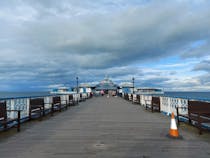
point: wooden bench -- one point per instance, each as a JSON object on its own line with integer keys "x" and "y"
{"x": 126, "y": 96}
{"x": 155, "y": 104}
{"x": 4, "y": 120}
{"x": 57, "y": 105}
{"x": 71, "y": 100}
{"x": 82, "y": 98}
{"x": 138, "y": 98}
{"x": 198, "y": 114}
{"x": 36, "y": 106}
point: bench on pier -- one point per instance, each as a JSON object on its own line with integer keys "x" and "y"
{"x": 155, "y": 104}
{"x": 57, "y": 104}
{"x": 82, "y": 97}
{"x": 138, "y": 98}
{"x": 5, "y": 120}
{"x": 126, "y": 97}
{"x": 36, "y": 108}
{"x": 198, "y": 114}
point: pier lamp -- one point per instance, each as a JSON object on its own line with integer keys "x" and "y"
{"x": 77, "y": 85}
{"x": 133, "y": 84}
{"x": 77, "y": 78}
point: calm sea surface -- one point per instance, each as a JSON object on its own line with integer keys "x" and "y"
{"x": 187, "y": 95}
{"x": 22, "y": 94}
{"x": 190, "y": 95}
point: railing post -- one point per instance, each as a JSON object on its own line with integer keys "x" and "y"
{"x": 18, "y": 125}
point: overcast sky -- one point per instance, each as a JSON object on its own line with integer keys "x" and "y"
{"x": 161, "y": 43}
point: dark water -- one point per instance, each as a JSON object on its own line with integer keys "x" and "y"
{"x": 190, "y": 95}
{"x": 22, "y": 94}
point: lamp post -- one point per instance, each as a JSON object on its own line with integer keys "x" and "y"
{"x": 77, "y": 84}
{"x": 77, "y": 78}
{"x": 133, "y": 84}
{"x": 133, "y": 89}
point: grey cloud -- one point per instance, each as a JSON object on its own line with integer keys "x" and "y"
{"x": 203, "y": 66}
{"x": 140, "y": 34}
{"x": 59, "y": 40}
{"x": 205, "y": 80}
{"x": 114, "y": 72}
{"x": 158, "y": 82}
{"x": 182, "y": 85}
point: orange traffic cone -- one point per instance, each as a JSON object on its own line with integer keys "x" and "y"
{"x": 173, "y": 130}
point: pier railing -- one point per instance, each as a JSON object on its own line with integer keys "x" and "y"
{"x": 23, "y": 103}
{"x": 167, "y": 104}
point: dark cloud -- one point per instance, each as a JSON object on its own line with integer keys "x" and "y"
{"x": 135, "y": 34}
{"x": 53, "y": 41}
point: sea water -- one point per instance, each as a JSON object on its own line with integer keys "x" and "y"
{"x": 189, "y": 95}
{"x": 185, "y": 95}
{"x": 22, "y": 94}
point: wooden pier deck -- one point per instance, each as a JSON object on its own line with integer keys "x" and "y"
{"x": 104, "y": 128}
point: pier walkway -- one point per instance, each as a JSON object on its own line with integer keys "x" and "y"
{"x": 104, "y": 128}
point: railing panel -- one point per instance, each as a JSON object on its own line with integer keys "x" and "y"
{"x": 130, "y": 97}
{"x": 18, "y": 104}
{"x": 145, "y": 99}
{"x": 64, "y": 98}
{"x": 48, "y": 102}
{"x": 168, "y": 105}
{"x": 164, "y": 102}
{"x": 183, "y": 103}
{"x": 134, "y": 98}
{"x": 84, "y": 95}
{"x": 76, "y": 97}
{"x": 142, "y": 102}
